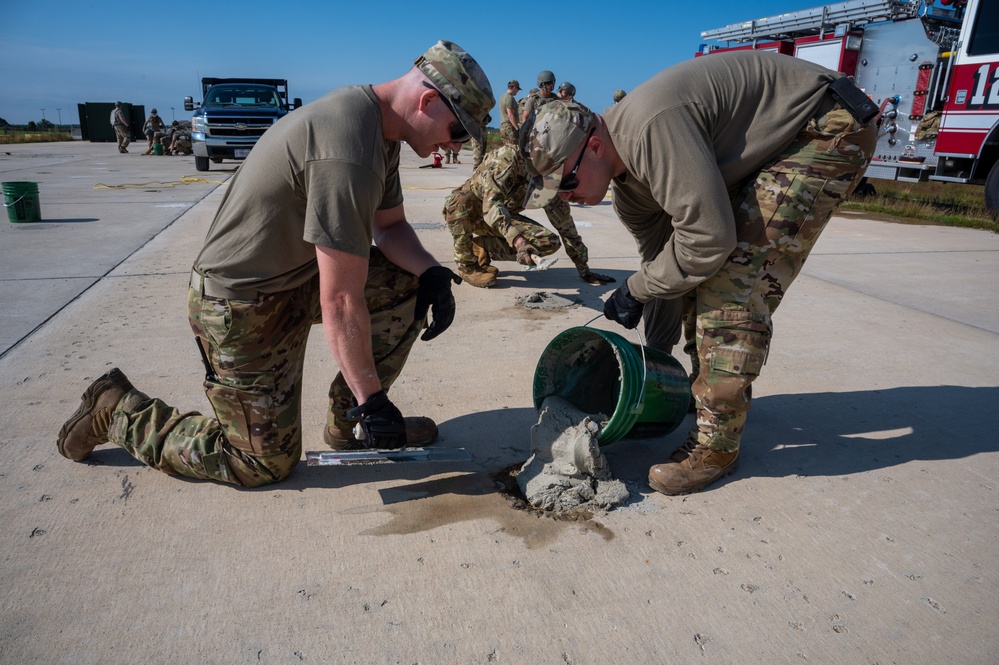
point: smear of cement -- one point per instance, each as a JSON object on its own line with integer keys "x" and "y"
{"x": 566, "y": 470}
{"x": 545, "y": 300}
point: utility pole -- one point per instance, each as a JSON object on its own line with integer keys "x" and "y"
{"x": 43, "y": 114}
{"x": 60, "y": 115}
{"x": 172, "y": 115}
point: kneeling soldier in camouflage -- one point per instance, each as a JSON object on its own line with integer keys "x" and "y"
{"x": 291, "y": 245}
{"x": 484, "y": 218}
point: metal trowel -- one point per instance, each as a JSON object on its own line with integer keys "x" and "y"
{"x": 540, "y": 264}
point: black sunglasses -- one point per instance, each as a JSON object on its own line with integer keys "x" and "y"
{"x": 458, "y": 132}
{"x": 570, "y": 181}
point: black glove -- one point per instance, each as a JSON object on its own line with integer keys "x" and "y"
{"x": 624, "y": 309}
{"x": 382, "y": 422}
{"x": 596, "y": 278}
{"x": 435, "y": 293}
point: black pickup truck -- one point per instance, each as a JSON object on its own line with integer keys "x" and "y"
{"x": 234, "y": 114}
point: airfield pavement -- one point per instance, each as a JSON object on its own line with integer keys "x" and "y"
{"x": 861, "y": 527}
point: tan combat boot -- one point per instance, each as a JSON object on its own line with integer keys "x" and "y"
{"x": 482, "y": 254}
{"x": 702, "y": 467}
{"x": 476, "y": 276}
{"x": 683, "y": 452}
{"x": 420, "y": 431}
{"x": 88, "y": 427}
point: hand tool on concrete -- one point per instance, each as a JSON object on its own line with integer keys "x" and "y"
{"x": 355, "y": 457}
{"x": 540, "y": 264}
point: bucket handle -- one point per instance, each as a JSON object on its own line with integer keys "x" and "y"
{"x": 7, "y": 205}
{"x": 645, "y": 368}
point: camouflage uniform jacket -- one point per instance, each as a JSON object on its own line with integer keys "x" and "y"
{"x": 501, "y": 183}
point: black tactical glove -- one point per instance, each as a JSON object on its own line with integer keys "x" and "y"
{"x": 624, "y": 309}
{"x": 596, "y": 278}
{"x": 382, "y": 422}
{"x": 435, "y": 293}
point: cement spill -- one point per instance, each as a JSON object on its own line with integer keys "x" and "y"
{"x": 566, "y": 471}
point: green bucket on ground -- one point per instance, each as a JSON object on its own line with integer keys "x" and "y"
{"x": 598, "y": 371}
{"x": 21, "y": 201}
{"x": 157, "y": 148}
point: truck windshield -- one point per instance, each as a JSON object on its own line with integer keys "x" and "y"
{"x": 243, "y": 96}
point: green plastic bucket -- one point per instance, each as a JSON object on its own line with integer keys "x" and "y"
{"x": 21, "y": 201}
{"x": 598, "y": 371}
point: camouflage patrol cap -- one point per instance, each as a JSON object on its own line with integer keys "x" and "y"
{"x": 619, "y": 95}
{"x": 549, "y": 138}
{"x": 458, "y": 76}
{"x": 514, "y": 83}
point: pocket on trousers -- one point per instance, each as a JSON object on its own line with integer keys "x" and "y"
{"x": 736, "y": 361}
{"x": 247, "y": 416}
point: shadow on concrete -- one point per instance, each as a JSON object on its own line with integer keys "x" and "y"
{"x": 814, "y": 434}
{"x": 835, "y": 434}
{"x": 495, "y": 439}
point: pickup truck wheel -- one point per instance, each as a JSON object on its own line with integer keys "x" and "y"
{"x": 201, "y": 163}
{"x": 992, "y": 190}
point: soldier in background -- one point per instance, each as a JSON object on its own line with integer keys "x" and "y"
{"x": 484, "y": 218}
{"x": 618, "y": 96}
{"x": 121, "y": 128}
{"x": 450, "y": 154}
{"x": 544, "y": 95}
{"x": 566, "y": 92}
{"x": 153, "y": 129}
{"x": 509, "y": 118}
{"x": 181, "y": 141}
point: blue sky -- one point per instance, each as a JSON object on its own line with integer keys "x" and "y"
{"x": 57, "y": 54}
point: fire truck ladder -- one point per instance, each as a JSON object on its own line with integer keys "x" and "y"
{"x": 816, "y": 20}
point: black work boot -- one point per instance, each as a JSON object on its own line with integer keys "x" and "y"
{"x": 88, "y": 427}
{"x": 702, "y": 467}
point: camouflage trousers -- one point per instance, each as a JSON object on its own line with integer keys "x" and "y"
{"x": 463, "y": 214}
{"x": 478, "y": 150}
{"x": 256, "y": 352}
{"x": 124, "y": 137}
{"x": 508, "y": 134}
{"x": 779, "y": 215}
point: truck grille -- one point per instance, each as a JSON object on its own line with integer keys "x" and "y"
{"x": 236, "y": 127}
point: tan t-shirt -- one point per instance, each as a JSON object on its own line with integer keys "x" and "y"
{"x": 315, "y": 178}
{"x": 507, "y": 101}
{"x": 689, "y": 134}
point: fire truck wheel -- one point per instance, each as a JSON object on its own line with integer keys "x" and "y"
{"x": 992, "y": 190}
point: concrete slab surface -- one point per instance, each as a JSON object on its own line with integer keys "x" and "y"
{"x": 861, "y": 526}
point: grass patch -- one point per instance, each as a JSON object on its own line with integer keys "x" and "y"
{"x": 946, "y": 204}
{"x": 33, "y": 137}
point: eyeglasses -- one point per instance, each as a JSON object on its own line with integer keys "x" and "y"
{"x": 458, "y": 132}
{"x": 570, "y": 181}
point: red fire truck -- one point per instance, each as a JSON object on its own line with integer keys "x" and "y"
{"x": 933, "y": 66}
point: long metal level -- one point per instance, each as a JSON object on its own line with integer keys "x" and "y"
{"x": 353, "y": 457}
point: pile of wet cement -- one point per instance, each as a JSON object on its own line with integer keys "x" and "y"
{"x": 545, "y": 300}
{"x": 566, "y": 470}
